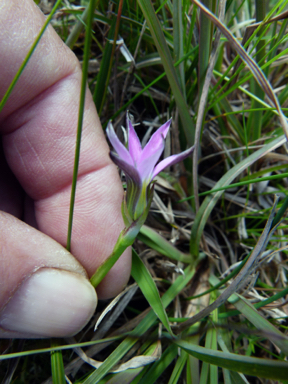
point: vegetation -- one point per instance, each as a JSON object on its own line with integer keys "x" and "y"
{"x": 207, "y": 300}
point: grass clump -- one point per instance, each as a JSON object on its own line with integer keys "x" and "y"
{"x": 211, "y": 261}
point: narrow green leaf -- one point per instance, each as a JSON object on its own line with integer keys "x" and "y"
{"x": 141, "y": 328}
{"x": 279, "y": 215}
{"x": 30, "y": 53}
{"x": 103, "y": 76}
{"x": 158, "y": 368}
{"x": 77, "y": 29}
{"x": 123, "y": 242}
{"x": 80, "y": 117}
{"x": 58, "y": 348}
{"x": 124, "y": 377}
{"x": 178, "y": 42}
{"x": 128, "y": 375}
{"x": 57, "y": 366}
{"x": 240, "y": 279}
{"x": 161, "y": 245}
{"x": 178, "y": 368}
{"x": 204, "y": 372}
{"x": 205, "y": 35}
{"x": 193, "y": 374}
{"x": 251, "y": 181}
{"x": 254, "y": 123}
{"x": 254, "y": 366}
{"x": 148, "y": 287}
{"x": 210, "y": 201}
{"x": 254, "y": 68}
{"x": 164, "y": 53}
{"x": 262, "y": 324}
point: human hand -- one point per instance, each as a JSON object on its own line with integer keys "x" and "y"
{"x": 45, "y": 291}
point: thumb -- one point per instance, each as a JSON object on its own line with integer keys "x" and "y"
{"x": 44, "y": 291}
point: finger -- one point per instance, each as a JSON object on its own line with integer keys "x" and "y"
{"x": 11, "y": 193}
{"x": 38, "y": 124}
{"x": 46, "y": 292}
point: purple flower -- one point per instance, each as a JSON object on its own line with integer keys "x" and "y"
{"x": 140, "y": 165}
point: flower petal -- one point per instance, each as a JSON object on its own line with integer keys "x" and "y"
{"x": 128, "y": 169}
{"x": 117, "y": 145}
{"x": 171, "y": 160}
{"x": 134, "y": 145}
{"x": 156, "y": 143}
{"x": 152, "y": 151}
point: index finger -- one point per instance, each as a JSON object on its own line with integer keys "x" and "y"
{"x": 38, "y": 124}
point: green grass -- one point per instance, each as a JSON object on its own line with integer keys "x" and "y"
{"x": 224, "y": 319}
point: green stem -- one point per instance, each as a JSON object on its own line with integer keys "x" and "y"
{"x": 103, "y": 82}
{"x": 77, "y": 29}
{"x": 125, "y": 239}
{"x": 123, "y": 242}
{"x": 281, "y": 212}
{"x": 255, "y": 119}
{"x": 57, "y": 366}
{"x": 80, "y": 118}
{"x": 27, "y": 58}
{"x": 179, "y": 43}
{"x": 204, "y": 44}
{"x": 240, "y": 184}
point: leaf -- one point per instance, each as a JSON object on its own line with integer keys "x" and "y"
{"x": 57, "y": 366}
{"x": 152, "y": 354}
{"x": 161, "y": 245}
{"x": 158, "y": 368}
{"x": 240, "y": 279}
{"x": 254, "y": 68}
{"x": 271, "y": 332}
{"x": 141, "y": 328}
{"x": 104, "y": 74}
{"x": 211, "y": 200}
{"x": 164, "y": 53}
{"x": 178, "y": 368}
{"x": 88, "y": 38}
{"x": 125, "y": 377}
{"x": 29, "y": 54}
{"x": 148, "y": 287}
{"x": 254, "y": 366}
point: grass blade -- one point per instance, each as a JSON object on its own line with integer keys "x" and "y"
{"x": 178, "y": 40}
{"x": 158, "y": 368}
{"x": 206, "y": 28}
{"x": 179, "y": 366}
{"x": 253, "y": 366}
{"x": 155, "y": 241}
{"x": 210, "y": 201}
{"x": 241, "y": 277}
{"x": 104, "y": 74}
{"x": 27, "y": 58}
{"x": 164, "y": 53}
{"x": 143, "y": 278}
{"x": 88, "y": 38}
{"x": 204, "y": 85}
{"x": 141, "y": 328}
{"x": 262, "y": 324}
{"x": 254, "y": 68}
{"x": 254, "y": 123}
{"x": 57, "y": 366}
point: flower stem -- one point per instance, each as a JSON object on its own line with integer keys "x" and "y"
{"x": 124, "y": 241}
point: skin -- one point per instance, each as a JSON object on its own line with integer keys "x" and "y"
{"x": 38, "y": 127}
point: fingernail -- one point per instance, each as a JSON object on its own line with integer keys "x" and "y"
{"x": 51, "y": 303}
